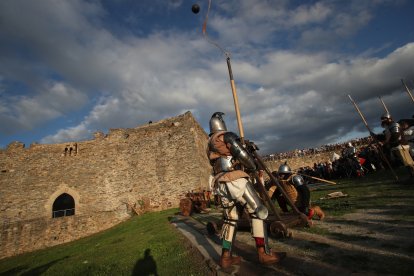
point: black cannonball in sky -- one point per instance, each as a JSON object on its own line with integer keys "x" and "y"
{"x": 195, "y": 8}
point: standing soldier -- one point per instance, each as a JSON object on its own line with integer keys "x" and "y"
{"x": 227, "y": 155}
{"x": 394, "y": 140}
{"x": 297, "y": 190}
{"x": 408, "y": 133}
{"x": 351, "y": 160}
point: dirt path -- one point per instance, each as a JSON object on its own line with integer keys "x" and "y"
{"x": 368, "y": 242}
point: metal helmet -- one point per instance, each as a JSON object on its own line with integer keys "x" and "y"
{"x": 217, "y": 123}
{"x": 386, "y": 116}
{"x": 349, "y": 145}
{"x": 385, "y": 119}
{"x": 284, "y": 168}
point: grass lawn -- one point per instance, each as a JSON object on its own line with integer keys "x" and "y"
{"x": 383, "y": 234}
{"x": 144, "y": 245}
{"x": 372, "y": 191}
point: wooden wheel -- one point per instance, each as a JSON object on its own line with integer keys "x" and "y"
{"x": 279, "y": 230}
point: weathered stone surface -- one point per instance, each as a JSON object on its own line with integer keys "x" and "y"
{"x": 151, "y": 167}
{"x": 147, "y": 168}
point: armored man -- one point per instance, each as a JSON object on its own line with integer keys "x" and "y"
{"x": 227, "y": 156}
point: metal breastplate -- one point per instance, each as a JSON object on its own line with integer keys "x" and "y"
{"x": 395, "y": 137}
{"x": 223, "y": 164}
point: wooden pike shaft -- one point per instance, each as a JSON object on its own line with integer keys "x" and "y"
{"x": 285, "y": 195}
{"x": 236, "y": 101}
{"x": 366, "y": 125}
{"x": 360, "y": 114}
{"x": 383, "y": 104}
{"x": 408, "y": 90}
{"x": 320, "y": 179}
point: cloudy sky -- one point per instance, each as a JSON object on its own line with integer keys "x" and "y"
{"x": 70, "y": 68}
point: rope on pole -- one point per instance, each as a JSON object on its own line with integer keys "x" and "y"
{"x": 232, "y": 83}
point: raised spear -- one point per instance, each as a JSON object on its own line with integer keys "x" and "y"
{"x": 373, "y": 136}
{"x": 383, "y": 104}
{"x": 408, "y": 90}
{"x": 317, "y": 178}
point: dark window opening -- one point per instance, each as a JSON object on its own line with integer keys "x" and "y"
{"x": 64, "y": 205}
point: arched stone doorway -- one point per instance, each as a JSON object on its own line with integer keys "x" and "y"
{"x": 64, "y": 205}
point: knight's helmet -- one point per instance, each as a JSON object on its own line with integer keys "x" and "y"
{"x": 284, "y": 168}
{"x": 386, "y": 116}
{"x": 217, "y": 123}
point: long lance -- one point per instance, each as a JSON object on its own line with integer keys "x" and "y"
{"x": 317, "y": 178}
{"x": 383, "y": 104}
{"x": 408, "y": 90}
{"x": 373, "y": 136}
{"x": 236, "y": 101}
{"x": 262, "y": 166}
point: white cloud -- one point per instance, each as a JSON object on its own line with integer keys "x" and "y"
{"x": 284, "y": 94}
{"x": 307, "y": 14}
{"x": 67, "y": 135}
{"x": 52, "y": 101}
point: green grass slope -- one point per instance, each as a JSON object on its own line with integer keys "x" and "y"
{"x": 144, "y": 245}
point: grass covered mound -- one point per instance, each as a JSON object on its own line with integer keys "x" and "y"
{"x": 144, "y": 245}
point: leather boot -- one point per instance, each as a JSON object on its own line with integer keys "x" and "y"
{"x": 268, "y": 259}
{"x": 318, "y": 211}
{"x": 227, "y": 260}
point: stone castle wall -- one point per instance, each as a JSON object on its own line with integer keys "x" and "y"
{"x": 149, "y": 167}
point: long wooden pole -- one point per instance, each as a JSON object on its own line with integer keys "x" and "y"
{"x": 383, "y": 104}
{"x": 277, "y": 183}
{"x": 236, "y": 101}
{"x": 408, "y": 90}
{"x": 317, "y": 178}
{"x": 370, "y": 132}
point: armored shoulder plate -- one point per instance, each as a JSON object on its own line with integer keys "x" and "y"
{"x": 395, "y": 128}
{"x": 238, "y": 151}
{"x": 298, "y": 180}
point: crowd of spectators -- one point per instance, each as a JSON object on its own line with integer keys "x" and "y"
{"x": 353, "y": 158}
{"x": 338, "y": 147}
{"x": 340, "y": 164}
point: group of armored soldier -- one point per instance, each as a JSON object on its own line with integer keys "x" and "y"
{"x": 232, "y": 162}
{"x": 394, "y": 146}
{"x": 397, "y": 141}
